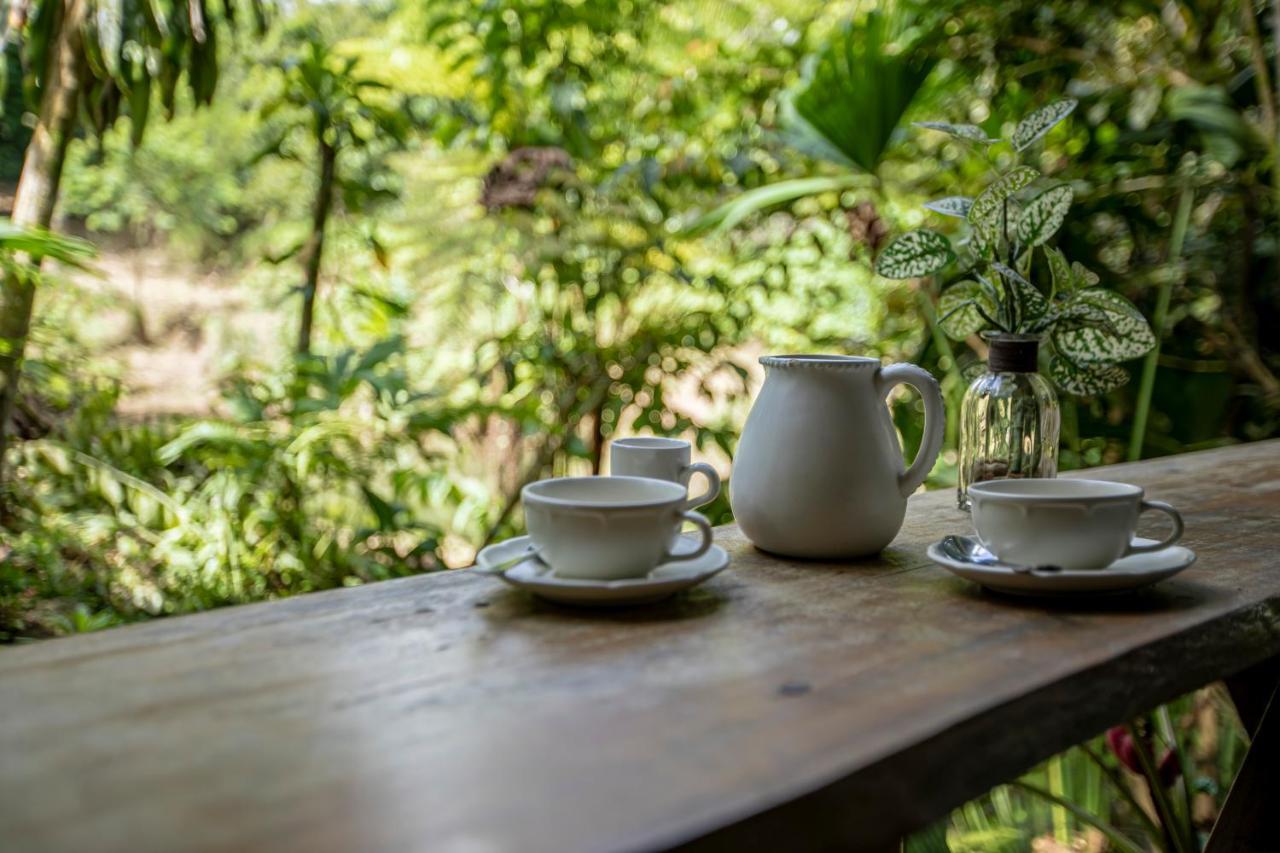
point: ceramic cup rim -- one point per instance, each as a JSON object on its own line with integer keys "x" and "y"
{"x": 650, "y": 442}
{"x": 662, "y": 493}
{"x": 1053, "y": 490}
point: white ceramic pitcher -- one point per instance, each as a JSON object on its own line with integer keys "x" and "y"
{"x": 819, "y": 472}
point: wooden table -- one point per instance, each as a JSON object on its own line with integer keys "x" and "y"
{"x": 784, "y": 705}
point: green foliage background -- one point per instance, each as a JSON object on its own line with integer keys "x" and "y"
{"x": 543, "y": 270}
{"x": 533, "y": 313}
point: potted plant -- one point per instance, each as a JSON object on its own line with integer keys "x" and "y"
{"x": 1009, "y": 419}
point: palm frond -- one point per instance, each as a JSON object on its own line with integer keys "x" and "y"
{"x": 857, "y": 88}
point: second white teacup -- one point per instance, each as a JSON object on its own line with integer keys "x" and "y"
{"x": 662, "y": 459}
{"x": 608, "y": 528}
{"x": 1075, "y": 524}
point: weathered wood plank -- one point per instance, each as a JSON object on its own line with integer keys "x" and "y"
{"x": 818, "y": 703}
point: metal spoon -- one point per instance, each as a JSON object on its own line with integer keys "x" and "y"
{"x": 969, "y": 550}
{"x": 530, "y": 552}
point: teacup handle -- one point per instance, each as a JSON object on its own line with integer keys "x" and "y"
{"x": 704, "y": 527}
{"x": 935, "y": 420}
{"x": 1173, "y": 536}
{"x": 713, "y": 483}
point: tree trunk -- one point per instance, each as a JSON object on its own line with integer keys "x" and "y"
{"x": 315, "y": 243}
{"x": 37, "y": 195}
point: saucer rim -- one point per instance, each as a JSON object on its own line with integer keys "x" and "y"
{"x": 644, "y": 583}
{"x": 1005, "y": 580}
{"x": 934, "y": 553}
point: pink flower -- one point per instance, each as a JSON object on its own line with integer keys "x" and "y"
{"x": 1170, "y": 768}
{"x": 1122, "y": 745}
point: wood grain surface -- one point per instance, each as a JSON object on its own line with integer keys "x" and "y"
{"x": 783, "y": 705}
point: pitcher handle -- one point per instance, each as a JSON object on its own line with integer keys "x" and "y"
{"x": 935, "y": 419}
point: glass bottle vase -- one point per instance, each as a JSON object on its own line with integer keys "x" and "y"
{"x": 1009, "y": 418}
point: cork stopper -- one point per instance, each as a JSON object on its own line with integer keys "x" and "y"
{"x": 1012, "y": 354}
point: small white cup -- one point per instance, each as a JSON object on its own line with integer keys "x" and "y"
{"x": 608, "y": 528}
{"x": 1075, "y": 524}
{"x": 662, "y": 459}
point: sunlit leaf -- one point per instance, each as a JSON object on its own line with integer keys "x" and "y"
{"x": 1040, "y": 122}
{"x": 40, "y": 243}
{"x": 915, "y": 254}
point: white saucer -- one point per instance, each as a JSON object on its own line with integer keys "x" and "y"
{"x": 538, "y": 578}
{"x": 1127, "y": 573}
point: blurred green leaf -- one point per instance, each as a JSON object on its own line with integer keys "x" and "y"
{"x": 732, "y": 213}
{"x": 1225, "y": 134}
{"x": 858, "y": 87}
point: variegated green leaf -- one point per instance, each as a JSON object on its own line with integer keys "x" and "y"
{"x": 1119, "y": 334}
{"x": 1041, "y": 122}
{"x": 987, "y": 214}
{"x": 1074, "y": 312}
{"x": 1044, "y": 215}
{"x": 1086, "y": 379}
{"x": 972, "y": 371}
{"x": 1031, "y": 304}
{"x": 1068, "y": 277}
{"x": 967, "y": 132}
{"x": 1090, "y": 344}
{"x": 961, "y": 310}
{"x": 915, "y": 254}
{"x": 1082, "y": 275}
{"x": 992, "y": 292}
{"x": 952, "y": 205}
{"x": 1059, "y": 269}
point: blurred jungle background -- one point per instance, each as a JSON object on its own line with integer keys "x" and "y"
{"x": 331, "y": 281}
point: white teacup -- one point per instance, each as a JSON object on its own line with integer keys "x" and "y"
{"x": 662, "y": 459}
{"x": 1075, "y": 524}
{"x": 607, "y": 528}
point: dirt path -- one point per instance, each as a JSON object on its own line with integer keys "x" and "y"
{"x": 175, "y": 331}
